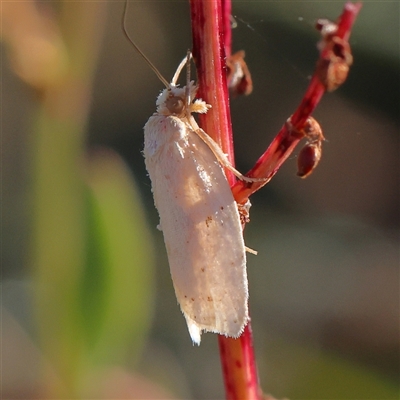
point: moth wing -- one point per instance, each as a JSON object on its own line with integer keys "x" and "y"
{"x": 201, "y": 228}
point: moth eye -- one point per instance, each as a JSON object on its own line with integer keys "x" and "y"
{"x": 175, "y": 105}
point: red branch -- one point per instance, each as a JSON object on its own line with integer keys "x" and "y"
{"x": 227, "y": 30}
{"x": 209, "y": 55}
{"x": 211, "y": 43}
{"x": 209, "y": 19}
{"x": 287, "y": 139}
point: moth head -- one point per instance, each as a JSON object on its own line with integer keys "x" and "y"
{"x": 171, "y": 101}
{"x": 174, "y": 100}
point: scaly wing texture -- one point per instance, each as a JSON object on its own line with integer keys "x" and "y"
{"x": 201, "y": 228}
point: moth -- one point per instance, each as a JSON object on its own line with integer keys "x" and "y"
{"x": 199, "y": 217}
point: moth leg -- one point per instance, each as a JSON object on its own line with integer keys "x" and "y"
{"x": 250, "y": 250}
{"x": 219, "y": 154}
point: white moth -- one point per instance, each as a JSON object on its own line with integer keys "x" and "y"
{"x": 199, "y": 217}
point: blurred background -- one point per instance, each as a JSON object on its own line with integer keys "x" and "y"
{"x": 88, "y": 307}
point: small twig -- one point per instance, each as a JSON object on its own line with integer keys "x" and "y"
{"x": 290, "y": 134}
{"x": 209, "y": 19}
{"x": 210, "y": 23}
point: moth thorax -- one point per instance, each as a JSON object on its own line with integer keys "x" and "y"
{"x": 175, "y": 105}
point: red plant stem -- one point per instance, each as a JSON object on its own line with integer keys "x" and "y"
{"x": 287, "y": 139}
{"x": 209, "y": 56}
{"x": 211, "y": 43}
{"x": 208, "y": 24}
{"x": 239, "y": 367}
{"x": 227, "y": 29}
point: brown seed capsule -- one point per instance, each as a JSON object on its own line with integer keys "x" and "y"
{"x": 308, "y": 159}
{"x": 336, "y": 58}
{"x": 310, "y": 154}
{"x": 334, "y": 64}
{"x": 312, "y": 130}
{"x": 239, "y": 77}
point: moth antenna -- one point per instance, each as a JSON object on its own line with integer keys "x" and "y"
{"x": 136, "y": 47}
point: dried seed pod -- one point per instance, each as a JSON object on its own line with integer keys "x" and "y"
{"x": 333, "y": 67}
{"x": 244, "y": 212}
{"x": 239, "y": 77}
{"x": 334, "y": 63}
{"x": 310, "y": 154}
{"x": 312, "y": 130}
{"x": 308, "y": 159}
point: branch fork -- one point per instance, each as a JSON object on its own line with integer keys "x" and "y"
{"x": 216, "y": 68}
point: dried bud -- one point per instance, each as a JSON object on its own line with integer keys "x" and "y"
{"x": 326, "y": 27}
{"x": 244, "y": 212}
{"x": 239, "y": 77}
{"x": 312, "y": 130}
{"x": 333, "y": 66}
{"x": 308, "y": 159}
{"x": 310, "y": 154}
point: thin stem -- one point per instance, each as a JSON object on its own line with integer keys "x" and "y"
{"x": 211, "y": 42}
{"x": 209, "y": 19}
{"x": 287, "y": 139}
{"x": 209, "y": 56}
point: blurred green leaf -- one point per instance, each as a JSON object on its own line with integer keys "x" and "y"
{"x": 117, "y": 289}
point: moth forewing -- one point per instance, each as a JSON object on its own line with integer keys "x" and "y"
{"x": 198, "y": 214}
{"x": 201, "y": 228}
